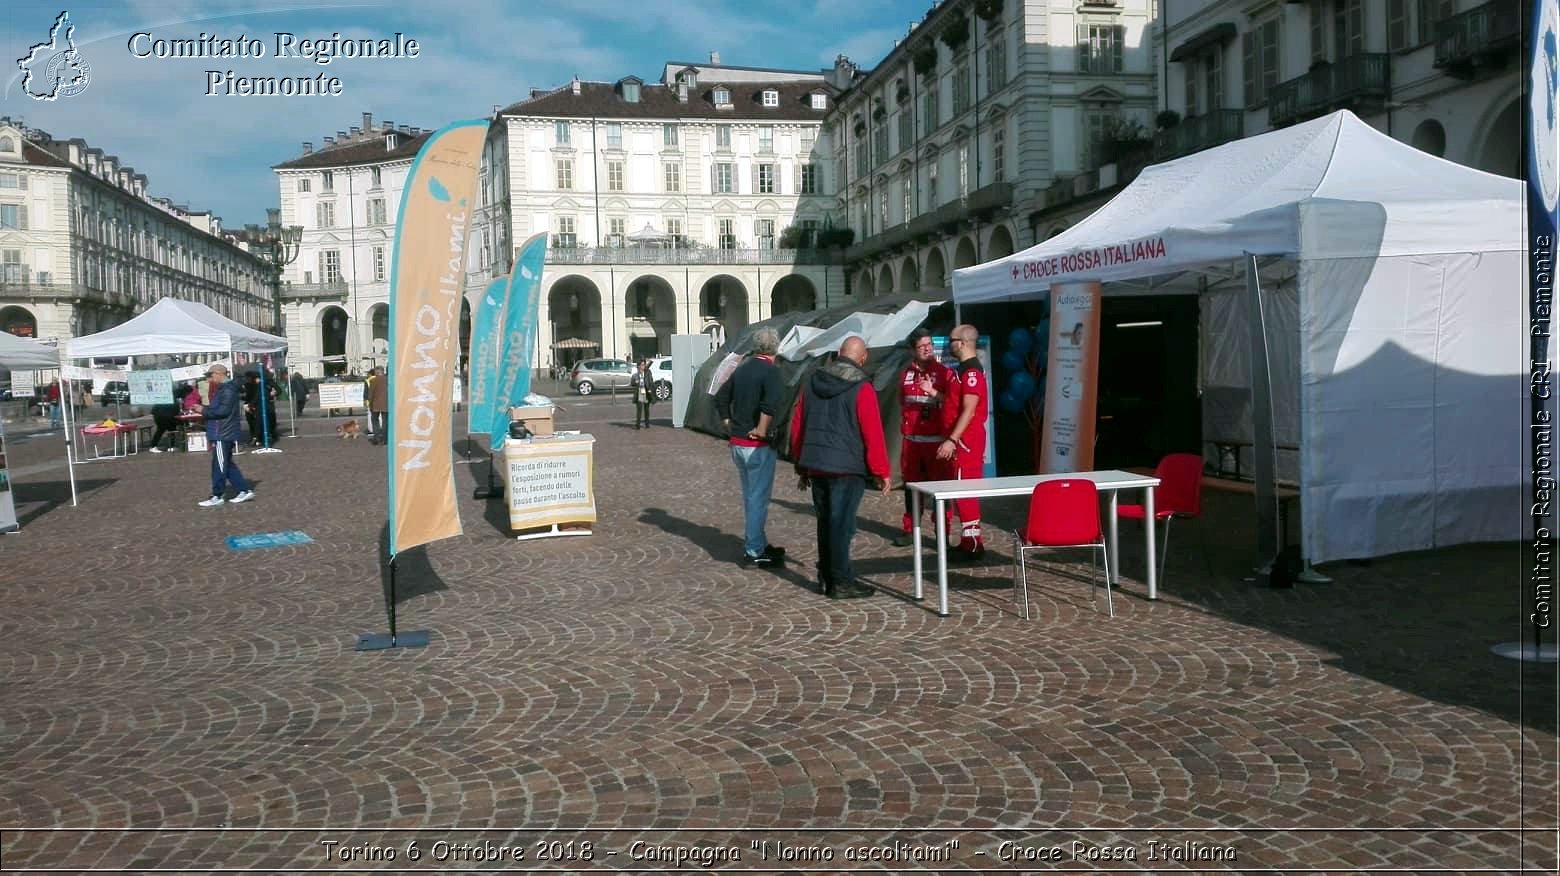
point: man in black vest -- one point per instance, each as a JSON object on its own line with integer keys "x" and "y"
{"x": 837, "y": 442}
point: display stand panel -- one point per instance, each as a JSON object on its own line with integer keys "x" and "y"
{"x": 550, "y": 483}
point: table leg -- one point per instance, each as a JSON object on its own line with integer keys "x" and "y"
{"x": 942, "y": 560}
{"x": 1113, "y": 529}
{"x": 1149, "y": 542}
{"x": 915, "y": 512}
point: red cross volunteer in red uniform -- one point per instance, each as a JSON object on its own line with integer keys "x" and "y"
{"x": 965, "y": 445}
{"x": 925, "y": 389}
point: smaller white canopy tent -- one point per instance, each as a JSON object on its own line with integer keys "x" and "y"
{"x": 174, "y": 326}
{"x": 1405, "y": 321}
{"x": 877, "y": 329}
{"x": 23, "y": 354}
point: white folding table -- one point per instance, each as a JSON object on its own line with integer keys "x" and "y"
{"x": 1108, "y": 482}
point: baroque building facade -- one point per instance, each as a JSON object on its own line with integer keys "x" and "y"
{"x": 85, "y": 247}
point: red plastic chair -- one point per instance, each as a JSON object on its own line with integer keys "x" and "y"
{"x": 1062, "y": 514}
{"x": 1179, "y": 494}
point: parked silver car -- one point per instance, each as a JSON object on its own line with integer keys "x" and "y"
{"x": 590, "y": 375}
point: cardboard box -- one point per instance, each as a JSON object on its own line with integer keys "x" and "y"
{"x": 539, "y": 420}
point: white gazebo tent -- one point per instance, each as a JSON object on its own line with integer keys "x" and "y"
{"x": 1393, "y": 322}
{"x": 18, "y": 354}
{"x": 175, "y": 326}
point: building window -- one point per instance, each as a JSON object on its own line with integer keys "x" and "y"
{"x": 996, "y": 62}
{"x": 906, "y": 130}
{"x": 999, "y": 151}
{"x": 614, "y": 136}
{"x": 671, "y": 174}
{"x": 764, "y": 230}
{"x": 964, "y": 170}
{"x": 615, "y": 230}
{"x": 809, "y": 238}
{"x": 883, "y": 208}
{"x": 614, "y": 176}
{"x": 724, "y": 178}
{"x": 561, "y": 133}
{"x": 565, "y": 236}
{"x": 12, "y": 181}
{"x": 631, "y": 92}
{"x": 325, "y": 215}
{"x": 906, "y": 202}
{"x": 931, "y": 186}
{"x": 1348, "y": 28}
{"x": 723, "y": 137}
{"x": 929, "y": 110}
{"x": 1432, "y": 12}
{"x": 727, "y": 233}
{"x": 304, "y": 185}
{"x": 1099, "y": 48}
{"x": 807, "y": 182}
{"x": 565, "y": 172}
{"x": 766, "y": 179}
{"x": 330, "y": 266}
{"x": 820, "y": 101}
{"x": 13, "y": 269}
{"x": 328, "y": 181}
{"x": 1098, "y": 124}
{"x": 961, "y": 89}
{"x": 669, "y": 136}
{"x": 861, "y": 158}
{"x": 674, "y": 231}
{"x": 771, "y": 97}
{"x": 379, "y": 264}
{"x": 7, "y": 144}
{"x": 1212, "y": 68}
{"x": 880, "y": 144}
{"x": 376, "y": 211}
{"x": 766, "y": 138}
{"x": 375, "y": 177}
{"x": 807, "y": 141}
{"x": 1259, "y": 47}
{"x": 723, "y": 97}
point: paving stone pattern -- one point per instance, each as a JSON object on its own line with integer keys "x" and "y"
{"x": 639, "y": 680}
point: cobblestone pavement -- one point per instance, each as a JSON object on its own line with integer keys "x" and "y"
{"x": 638, "y": 680}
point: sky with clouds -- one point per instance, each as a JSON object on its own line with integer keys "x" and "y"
{"x": 215, "y": 152}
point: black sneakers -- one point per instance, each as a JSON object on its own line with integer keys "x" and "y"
{"x": 965, "y": 555}
{"x": 903, "y": 539}
{"x": 849, "y": 591}
{"x": 772, "y": 556}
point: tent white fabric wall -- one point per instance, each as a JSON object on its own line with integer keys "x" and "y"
{"x": 1396, "y": 353}
{"x": 23, "y": 353}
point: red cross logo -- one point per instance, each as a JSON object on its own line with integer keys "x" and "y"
{"x": 1015, "y": 272}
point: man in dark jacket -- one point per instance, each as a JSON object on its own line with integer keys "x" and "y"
{"x": 300, "y": 392}
{"x": 747, "y": 403}
{"x": 837, "y": 442}
{"x": 378, "y": 406}
{"x": 224, "y": 428}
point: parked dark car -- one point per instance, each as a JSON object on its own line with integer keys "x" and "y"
{"x": 590, "y": 375}
{"x": 116, "y": 391}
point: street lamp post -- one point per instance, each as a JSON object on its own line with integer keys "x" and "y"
{"x": 278, "y": 247}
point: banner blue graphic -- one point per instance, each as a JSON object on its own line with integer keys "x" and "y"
{"x": 268, "y": 540}
{"x": 514, "y": 369}
{"x": 485, "y": 350}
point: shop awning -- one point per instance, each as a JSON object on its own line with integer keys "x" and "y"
{"x": 576, "y": 344}
{"x": 1217, "y": 35}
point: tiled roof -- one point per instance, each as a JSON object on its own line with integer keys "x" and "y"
{"x": 369, "y": 150}
{"x": 601, "y": 100}
{"x": 41, "y": 157}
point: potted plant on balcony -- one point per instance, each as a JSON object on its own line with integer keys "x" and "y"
{"x": 1127, "y": 140}
{"x": 836, "y": 238}
{"x": 989, "y": 10}
{"x": 1167, "y": 119}
{"x": 924, "y": 58}
{"x": 796, "y": 237}
{"x": 955, "y": 33}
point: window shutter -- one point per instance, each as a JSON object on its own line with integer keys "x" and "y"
{"x": 1248, "y": 48}
{"x": 714, "y": 177}
{"x": 1397, "y": 25}
{"x": 1190, "y": 73}
{"x": 1083, "y": 48}
{"x": 754, "y": 172}
{"x": 21, "y": 181}
{"x": 1318, "y": 31}
{"x": 21, "y": 214}
{"x": 1356, "y": 26}
{"x": 1118, "y": 48}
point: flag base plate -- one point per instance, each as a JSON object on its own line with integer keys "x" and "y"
{"x": 1526, "y": 652}
{"x": 384, "y": 642}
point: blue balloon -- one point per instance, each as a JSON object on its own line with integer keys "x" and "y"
{"x": 1010, "y": 404}
{"x": 1013, "y": 360}
{"x": 1021, "y": 385}
{"x": 1020, "y": 340}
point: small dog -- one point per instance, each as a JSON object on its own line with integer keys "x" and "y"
{"x": 347, "y": 430}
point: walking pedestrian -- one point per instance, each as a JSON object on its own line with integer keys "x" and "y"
{"x": 965, "y": 446}
{"x": 748, "y": 403}
{"x": 224, "y": 428}
{"x": 378, "y": 406}
{"x": 924, "y": 388}
{"x": 644, "y": 393}
{"x": 165, "y": 417}
{"x": 368, "y": 395}
{"x": 53, "y": 399}
{"x": 300, "y": 392}
{"x": 837, "y": 442}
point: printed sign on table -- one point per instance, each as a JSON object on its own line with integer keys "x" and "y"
{"x": 22, "y": 384}
{"x": 151, "y": 387}
{"x": 550, "y": 481}
{"x": 340, "y": 395}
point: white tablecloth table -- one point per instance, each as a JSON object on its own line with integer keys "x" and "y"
{"x": 1110, "y": 483}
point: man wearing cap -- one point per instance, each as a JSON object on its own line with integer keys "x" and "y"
{"x": 965, "y": 445}
{"x": 924, "y": 387}
{"x": 224, "y": 427}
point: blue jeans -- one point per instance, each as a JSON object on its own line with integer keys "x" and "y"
{"x": 756, "y": 468}
{"x": 54, "y": 415}
{"x": 836, "y": 500}
{"x": 224, "y": 470}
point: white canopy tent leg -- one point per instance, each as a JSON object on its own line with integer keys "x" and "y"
{"x": 1264, "y": 453}
{"x": 70, "y": 459}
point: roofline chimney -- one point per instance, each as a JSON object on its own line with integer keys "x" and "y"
{"x": 307, "y": 147}
{"x": 368, "y": 122}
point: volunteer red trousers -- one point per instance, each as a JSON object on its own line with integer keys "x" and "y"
{"x": 967, "y": 466}
{"x": 918, "y": 462}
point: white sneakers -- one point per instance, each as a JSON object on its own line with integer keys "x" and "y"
{"x": 214, "y": 501}
{"x": 157, "y": 450}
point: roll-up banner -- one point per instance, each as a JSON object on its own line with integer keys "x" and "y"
{"x": 427, "y": 274}
{"x": 1543, "y": 201}
{"x": 514, "y": 370}
{"x": 1071, "y": 381}
{"x": 485, "y": 349}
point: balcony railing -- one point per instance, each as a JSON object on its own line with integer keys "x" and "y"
{"x": 888, "y": 239}
{"x": 1355, "y": 81}
{"x": 693, "y": 255}
{"x": 1196, "y": 133}
{"x": 988, "y": 199}
{"x": 1481, "y": 35}
{"x": 306, "y": 291}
